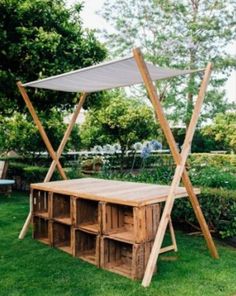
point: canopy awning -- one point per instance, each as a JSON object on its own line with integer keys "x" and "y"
{"x": 113, "y": 74}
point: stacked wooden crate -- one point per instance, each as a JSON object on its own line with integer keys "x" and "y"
{"x": 116, "y": 237}
{"x": 109, "y": 223}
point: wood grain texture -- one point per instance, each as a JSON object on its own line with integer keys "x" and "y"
{"x": 134, "y": 194}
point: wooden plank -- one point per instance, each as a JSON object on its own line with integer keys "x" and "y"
{"x": 50, "y": 197}
{"x": 142, "y": 194}
{"x": 28, "y": 219}
{"x": 103, "y": 253}
{"x": 72, "y": 239}
{"x": 167, "y": 249}
{"x": 172, "y": 234}
{"x": 180, "y": 160}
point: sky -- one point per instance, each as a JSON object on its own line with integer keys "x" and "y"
{"x": 92, "y": 20}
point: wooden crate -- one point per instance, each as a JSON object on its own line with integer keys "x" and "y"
{"x": 127, "y": 259}
{"x": 42, "y": 230}
{"x": 130, "y": 224}
{"x": 87, "y": 246}
{"x": 41, "y": 203}
{"x": 88, "y": 215}
{"x": 62, "y": 208}
{"x": 63, "y": 237}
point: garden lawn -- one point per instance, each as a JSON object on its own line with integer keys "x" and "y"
{"x": 30, "y": 268}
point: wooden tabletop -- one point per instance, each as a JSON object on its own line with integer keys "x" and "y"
{"x": 120, "y": 192}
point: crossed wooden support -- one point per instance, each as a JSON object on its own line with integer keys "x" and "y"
{"x": 54, "y": 155}
{"x": 180, "y": 160}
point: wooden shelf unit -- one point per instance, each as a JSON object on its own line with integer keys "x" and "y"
{"x": 87, "y": 246}
{"x": 62, "y": 208}
{"x": 127, "y": 259}
{"x": 130, "y": 224}
{"x": 87, "y": 219}
{"x": 41, "y": 203}
{"x": 88, "y": 215}
{"x": 42, "y": 230}
{"x": 62, "y": 237}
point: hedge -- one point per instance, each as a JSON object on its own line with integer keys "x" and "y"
{"x": 218, "y": 206}
{"x": 25, "y": 174}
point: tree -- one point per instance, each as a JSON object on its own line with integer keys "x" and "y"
{"x": 41, "y": 38}
{"x": 20, "y": 134}
{"x": 223, "y": 130}
{"x": 181, "y": 34}
{"x": 122, "y": 120}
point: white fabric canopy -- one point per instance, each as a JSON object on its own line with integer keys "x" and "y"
{"x": 117, "y": 73}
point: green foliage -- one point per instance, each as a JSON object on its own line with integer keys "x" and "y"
{"x": 200, "y": 142}
{"x": 20, "y": 134}
{"x": 218, "y": 206}
{"x": 33, "y": 174}
{"x": 181, "y": 34}
{"x": 214, "y": 177}
{"x": 39, "y": 39}
{"x": 211, "y": 170}
{"x": 162, "y": 173}
{"x": 223, "y": 130}
{"x": 210, "y": 159}
{"x": 122, "y": 120}
{"x": 28, "y": 173}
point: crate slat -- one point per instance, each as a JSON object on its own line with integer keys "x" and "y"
{"x": 88, "y": 215}
{"x": 131, "y": 224}
{"x": 87, "y": 246}
{"x": 124, "y": 258}
{"x": 42, "y": 230}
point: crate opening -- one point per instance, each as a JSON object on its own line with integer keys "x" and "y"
{"x": 40, "y": 203}
{"x": 88, "y": 215}
{"x": 119, "y": 222}
{"x": 62, "y": 208}
{"x": 86, "y": 246}
{"x": 118, "y": 257}
{"x": 40, "y": 230}
{"x": 62, "y": 237}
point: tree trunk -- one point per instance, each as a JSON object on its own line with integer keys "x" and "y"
{"x": 122, "y": 158}
{"x": 189, "y": 109}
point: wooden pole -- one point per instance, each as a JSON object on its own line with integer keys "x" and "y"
{"x": 28, "y": 219}
{"x": 65, "y": 137}
{"x": 180, "y": 162}
{"x": 172, "y": 235}
{"x": 49, "y": 148}
{"x": 41, "y": 129}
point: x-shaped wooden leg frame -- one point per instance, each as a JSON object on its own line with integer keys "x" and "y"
{"x": 180, "y": 160}
{"x": 54, "y": 155}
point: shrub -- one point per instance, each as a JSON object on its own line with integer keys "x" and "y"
{"x": 218, "y": 206}
{"x": 213, "y": 177}
{"x": 26, "y": 174}
{"x": 210, "y": 159}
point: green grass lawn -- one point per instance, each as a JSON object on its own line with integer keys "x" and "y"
{"x": 30, "y": 268}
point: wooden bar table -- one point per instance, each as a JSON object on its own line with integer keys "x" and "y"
{"x": 109, "y": 223}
